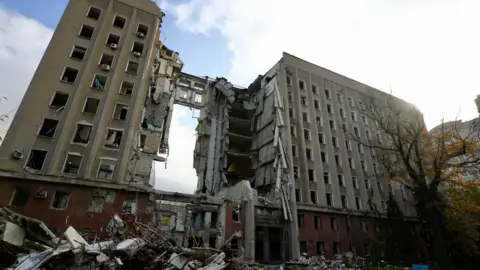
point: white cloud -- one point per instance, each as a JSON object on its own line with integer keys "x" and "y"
{"x": 22, "y": 43}
{"x": 426, "y": 51}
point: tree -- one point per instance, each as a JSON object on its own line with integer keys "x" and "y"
{"x": 427, "y": 163}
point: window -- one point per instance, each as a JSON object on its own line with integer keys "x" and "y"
{"x": 362, "y": 164}
{"x": 106, "y": 60}
{"x": 48, "y": 128}
{"x": 333, "y": 223}
{"x": 290, "y": 113}
{"x": 289, "y": 80}
{"x": 364, "y": 226}
{"x": 316, "y": 104}
{"x": 20, "y": 196}
{"x": 72, "y": 164}
{"x": 350, "y": 102}
{"x": 358, "y": 204}
{"x": 337, "y": 160}
{"x": 137, "y": 48}
{"x": 361, "y": 105}
{"x": 329, "y": 199}
{"x": 301, "y": 84}
{"x": 308, "y": 153}
{"x": 360, "y": 148}
{"x": 78, "y": 52}
{"x": 380, "y": 187}
{"x": 344, "y": 127}
{"x": 355, "y": 131}
{"x": 311, "y": 175}
{"x": 60, "y": 200}
{"x": 334, "y": 142}
{"x": 313, "y": 196}
{"x": 369, "y": 137}
{"x": 119, "y": 22}
{"x": 306, "y": 134}
{"x": 340, "y": 180}
{"x": 368, "y": 251}
{"x": 91, "y": 105}
{"x": 329, "y": 109}
{"x": 350, "y": 163}
{"x": 303, "y": 247}
{"x": 375, "y": 167}
{"x": 113, "y": 138}
{"x": 294, "y": 150}
{"x": 36, "y": 159}
{"x": 373, "y": 152}
{"x": 305, "y": 117}
{"x": 86, "y": 31}
{"x": 318, "y": 222}
{"x": 364, "y": 120}
{"x": 120, "y": 111}
{"x": 320, "y": 138}
{"x": 94, "y": 13}
{"x": 354, "y": 182}
{"x": 292, "y": 131}
{"x": 319, "y": 121}
{"x": 290, "y": 96}
{"x": 132, "y": 67}
{"x": 295, "y": 172}
{"x": 69, "y": 75}
{"x": 59, "y": 100}
{"x": 82, "y": 134}
{"x": 323, "y": 157}
{"x": 314, "y": 88}
{"x": 327, "y": 93}
{"x": 354, "y": 116}
{"x": 142, "y": 30}
{"x": 342, "y": 113}
{"x": 126, "y": 88}
{"x": 336, "y": 248}
{"x": 106, "y": 168}
{"x": 339, "y": 98}
{"x": 297, "y": 195}
{"x": 320, "y": 248}
{"x": 367, "y": 184}
{"x": 332, "y": 124}
{"x": 303, "y": 100}
{"x": 344, "y": 201}
{"x": 96, "y": 202}
{"x": 113, "y": 40}
{"x": 99, "y": 82}
{"x": 348, "y": 145}
{"x": 326, "y": 178}
{"x": 301, "y": 221}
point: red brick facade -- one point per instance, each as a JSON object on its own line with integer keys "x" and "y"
{"x": 232, "y": 226}
{"x": 76, "y": 213}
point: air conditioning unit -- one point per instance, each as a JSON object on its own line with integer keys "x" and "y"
{"x": 106, "y": 67}
{"x": 137, "y": 54}
{"x": 17, "y": 154}
{"x": 140, "y": 34}
{"x": 113, "y": 46}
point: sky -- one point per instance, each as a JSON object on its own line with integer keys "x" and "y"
{"x": 424, "y": 51}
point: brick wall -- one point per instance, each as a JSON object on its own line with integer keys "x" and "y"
{"x": 76, "y": 213}
{"x": 232, "y": 226}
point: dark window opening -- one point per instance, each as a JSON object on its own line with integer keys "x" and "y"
{"x": 36, "y": 159}
{"x": 294, "y": 151}
{"x": 305, "y": 117}
{"x": 87, "y": 31}
{"x": 99, "y": 82}
{"x": 137, "y": 48}
{"x": 318, "y": 222}
{"x": 308, "y": 153}
{"x": 132, "y": 67}
{"x": 311, "y": 175}
{"x": 295, "y": 172}
{"x": 113, "y": 138}
{"x": 323, "y": 156}
{"x": 91, "y": 105}
{"x": 326, "y": 179}
{"x": 96, "y": 202}
{"x": 106, "y": 60}
{"x": 303, "y": 247}
{"x": 316, "y": 104}
{"x": 297, "y": 195}
{"x": 82, "y": 135}
{"x": 213, "y": 220}
{"x": 344, "y": 201}
{"x": 78, "y": 52}
{"x": 60, "y": 200}
{"x": 113, "y": 40}
{"x": 301, "y": 84}
{"x": 236, "y": 214}
{"x": 314, "y": 89}
{"x": 48, "y": 128}
{"x": 142, "y": 30}
{"x": 340, "y": 180}
{"x": 306, "y": 134}
{"x": 72, "y": 164}
{"x": 119, "y": 22}
{"x": 357, "y": 203}
{"x": 329, "y": 199}
{"x": 301, "y": 221}
{"x": 20, "y": 196}
{"x": 94, "y": 13}
{"x": 120, "y": 111}
{"x": 336, "y": 248}
{"x": 290, "y": 113}
{"x": 313, "y": 197}
{"x": 106, "y": 168}
{"x": 126, "y": 88}
{"x": 69, "y": 75}
{"x": 320, "y": 248}
{"x": 212, "y": 241}
{"x": 333, "y": 223}
{"x": 59, "y": 100}
{"x": 329, "y": 108}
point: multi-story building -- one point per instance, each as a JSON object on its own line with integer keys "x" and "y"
{"x": 285, "y": 135}
{"x": 93, "y": 117}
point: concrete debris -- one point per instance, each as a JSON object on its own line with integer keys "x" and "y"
{"x": 340, "y": 261}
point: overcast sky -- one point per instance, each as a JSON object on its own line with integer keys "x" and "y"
{"x": 426, "y": 51}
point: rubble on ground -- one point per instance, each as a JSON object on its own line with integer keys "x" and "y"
{"x": 340, "y": 261}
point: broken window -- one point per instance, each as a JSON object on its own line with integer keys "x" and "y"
{"x": 36, "y": 159}
{"x": 344, "y": 201}
{"x": 306, "y": 134}
{"x": 314, "y": 89}
{"x": 60, "y": 200}
{"x": 340, "y": 180}
{"x": 106, "y": 168}
{"x": 69, "y": 75}
{"x": 350, "y": 102}
{"x": 86, "y": 31}
{"x": 289, "y": 80}
{"x": 96, "y": 202}
{"x": 137, "y": 48}
{"x": 329, "y": 109}
{"x": 332, "y": 124}
{"x": 326, "y": 178}
{"x": 320, "y": 138}
{"x": 99, "y": 82}
{"x": 72, "y": 163}
{"x": 313, "y": 196}
{"x": 319, "y": 121}
{"x": 303, "y": 99}
{"x": 305, "y": 116}
{"x": 236, "y": 214}
{"x": 48, "y": 128}
{"x": 329, "y": 199}
{"x": 132, "y": 67}
{"x": 311, "y": 175}
{"x": 113, "y": 138}
{"x": 339, "y": 98}
{"x": 78, "y": 52}
{"x": 119, "y": 22}
{"x": 91, "y": 105}
{"x": 106, "y": 60}
{"x": 295, "y": 172}
{"x": 20, "y": 196}
{"x": 113, "y": 40}
{"x": 323, "y": 156}
{"x": 316, "y": 104}
{"x": 198, "y": 98}
{"x": 142, "y": 30}
{"x": 300, "y": 220}
{"x": 82, "y": 134}
{"x": 234, "y": 244}
{"x": 292, "y": 131}
{"x": 297, "y": 195}
{"x": 213, "y": 220}
{"x": 327, "y": 93}
{"x": 308, "y": 153}
{"x": 94, "y": 13}
{"x": 301, "y": 84}
{"x": 59, "y": 100}
{"x": 126, "y": 88}
{"x": 333, "y": 223}
{"x": 120, "y": 111}
{"x": 129, "y": 207}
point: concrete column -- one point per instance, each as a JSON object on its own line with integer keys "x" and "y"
{"x": 249, "y": 230}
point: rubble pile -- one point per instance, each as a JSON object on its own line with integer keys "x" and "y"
{"x": 340, "y": 261}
